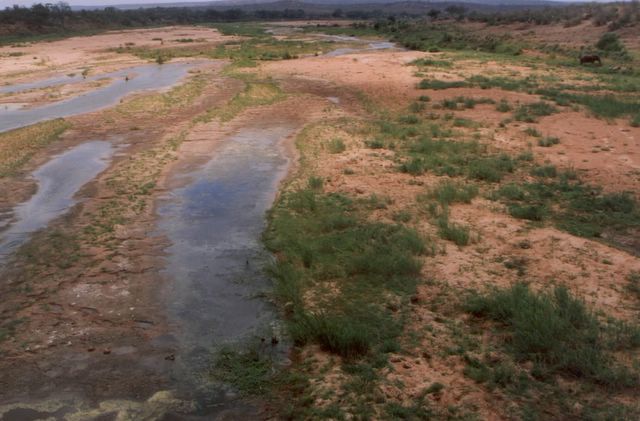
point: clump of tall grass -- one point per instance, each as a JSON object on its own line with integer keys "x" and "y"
{"x": 336, "y": 146}
{"x": 448, "y": 192}
{"x": 440, "y": 84}
{"x": 548, "y": 141}
{"x": 432, "y": 63}
{"x": 573, "y": 206}
{"x": 503, "y": 106}
{"x": 530, "y": 113}
{"x": 558, "y": 333}
{"x": 457, "y": 233}
{"x": 492, "y": 168}
{"x": 325, "y": 239}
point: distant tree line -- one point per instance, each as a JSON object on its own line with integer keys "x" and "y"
{"x": 60, "y": 18}
{"x": 614, "y": 15}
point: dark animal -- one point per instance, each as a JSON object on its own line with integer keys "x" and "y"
{"x": 590, "y": 59}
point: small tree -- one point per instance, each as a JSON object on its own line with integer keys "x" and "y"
{"x": 610, "y": 42}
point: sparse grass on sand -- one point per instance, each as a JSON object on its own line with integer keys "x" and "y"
{"x": 18, "y": 146}
{"x": 256, "y": 93}
{"x": 559, "y": 334}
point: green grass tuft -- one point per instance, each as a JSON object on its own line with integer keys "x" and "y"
{"x": 548, "y": 141}
{"x": 440, "y": 84}
{"x": 336, "y": 146}
{"x": 457, "y": 233}
{"x": 531, "y": 113}
{"x": 448, "y": 192}
{"x": 556, "y": 332}
{"x": 326, "y": 238}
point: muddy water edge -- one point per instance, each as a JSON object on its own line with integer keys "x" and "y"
{"x": 213, "y": 288}
{"x": 127, "y": 81}
{"x": 58, "y": 182}
{"x": 215, "y": 264}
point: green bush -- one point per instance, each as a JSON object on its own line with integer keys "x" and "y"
{"x": 610, "y": 42}
{"x": 415, "y": 166}
{"x": 409, "y": 119}
{"x": 532, "y": 132}
{"x": 511, "y": 192}
{"x": 503, "y": 106}
{"x": 315, "y": 183}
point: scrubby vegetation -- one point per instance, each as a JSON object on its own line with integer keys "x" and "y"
{"x": 573, "y": 206}
{"x": 559, "y": 335}
{"x": 324, "y": 239}
{"x": 17, "y": 146}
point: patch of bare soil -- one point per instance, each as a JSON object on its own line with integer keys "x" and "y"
{"x": 381, "y": 74}
{"x": 93, "y": 53}
{"x": 503, "y": 250}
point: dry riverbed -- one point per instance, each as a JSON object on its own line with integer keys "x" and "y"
{"x": 85, "y": 300}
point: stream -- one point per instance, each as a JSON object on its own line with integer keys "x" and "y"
{"x": 58, "y": 182}
{"x": 147, "y": 77}
{"x": 216, "y": 261}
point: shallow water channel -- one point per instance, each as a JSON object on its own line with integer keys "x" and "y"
{"x": 147, "y": 77}
{"x": 46, "y": 83}
{"x": 216, "y": 261}
{"x": 58, "y": 182}
{"x": 368, "y": 45}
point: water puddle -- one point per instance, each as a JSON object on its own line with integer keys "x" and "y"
{"x": 13, "y": 105}
{"x": 374, "y": 46}
{"x": 147, "y": 77}
{"x": 43, "y": 83}
{"x": 58, "y": 181}
{"x": 370, "y": 45}
{"x": 216, "y": 261}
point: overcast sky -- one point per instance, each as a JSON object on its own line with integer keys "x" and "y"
{"x": 5, "y": 3}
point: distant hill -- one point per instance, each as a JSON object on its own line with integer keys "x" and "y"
{"x": 338, "y": 4}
